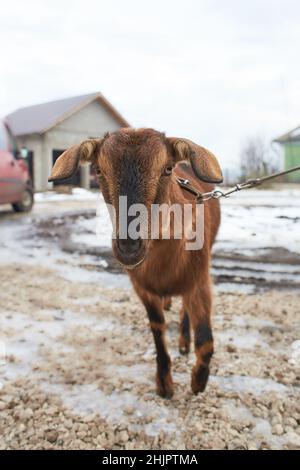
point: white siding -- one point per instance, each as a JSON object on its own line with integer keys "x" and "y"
{"x": 91, "y": 121}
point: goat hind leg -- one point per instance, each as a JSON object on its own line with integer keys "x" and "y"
{"x": 184, "y": 332}
{"x": 167, "y": 302}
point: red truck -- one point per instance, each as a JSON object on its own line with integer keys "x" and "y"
{"x": 15, "y": 182}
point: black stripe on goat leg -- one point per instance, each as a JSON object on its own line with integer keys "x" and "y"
{"x": 198, "y": 304}
{"x": 204, "y": 348}
{"x": 164, "y": 380}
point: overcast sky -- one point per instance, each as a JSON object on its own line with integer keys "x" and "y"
{"x": 216, "y": 71}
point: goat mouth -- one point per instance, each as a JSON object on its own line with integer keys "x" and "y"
{"x": 132, "y": 266}
{"x": 129, "y": 260}
{"x": 130, "y": 263}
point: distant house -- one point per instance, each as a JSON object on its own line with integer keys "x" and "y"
{"x": 290, "y": 143}
{"x": 48, "y": 129}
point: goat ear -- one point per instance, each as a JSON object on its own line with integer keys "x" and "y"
{"x": 68, "y": 162}
{"x": 204, "y": 163}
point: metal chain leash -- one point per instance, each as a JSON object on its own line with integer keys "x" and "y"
{"x": 218, "y": 193}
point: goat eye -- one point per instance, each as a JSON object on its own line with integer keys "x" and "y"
{"x": 97, "y": 171}
{"x": 168, "y": 170}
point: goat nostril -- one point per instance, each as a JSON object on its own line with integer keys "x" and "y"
{"x": 128, "y": 245}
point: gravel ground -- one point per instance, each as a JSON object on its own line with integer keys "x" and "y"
{"x": 79, "y": 365}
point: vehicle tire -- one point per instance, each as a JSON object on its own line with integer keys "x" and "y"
{"x": 26, "y": 203}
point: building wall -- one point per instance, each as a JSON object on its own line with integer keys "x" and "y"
{"x": 35, "y": 143}
{"x": 91, "y": 121}
{"x": 291, "y": 159}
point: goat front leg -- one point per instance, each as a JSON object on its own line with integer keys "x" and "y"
{"x": 198, "y": 305}
{"x": 154, "y": 307}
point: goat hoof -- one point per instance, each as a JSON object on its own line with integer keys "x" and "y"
{"x": 165, "y": 387}
{"x": 200, "y": 376}
{"x": 184, "y": 346}
{"x": 165, "y": 393}
{"x": 184, "y": 350}
{"x": 167, "y": 303}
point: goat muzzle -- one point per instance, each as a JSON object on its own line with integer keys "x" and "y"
{"x": 129, "y": 252}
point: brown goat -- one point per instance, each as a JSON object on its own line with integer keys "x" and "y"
{"x": 144, "y": 165}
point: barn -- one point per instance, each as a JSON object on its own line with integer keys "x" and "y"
{"x": 290, "y": 143}
{"x": 47, "y": 129}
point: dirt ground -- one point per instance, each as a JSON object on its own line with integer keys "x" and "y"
{"x": 78, "y": 360}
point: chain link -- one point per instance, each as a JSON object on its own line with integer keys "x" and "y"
{"x": 218, "y": 193}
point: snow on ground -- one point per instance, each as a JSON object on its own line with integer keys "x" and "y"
{"x": 77, "y": 194}
{"x": 259, "y": 226}
{"x": 255, "y": 224}
{"x": 79, "y": 358}
{"x": 96, "y": 231}
{"x": 251, "y": 220}
{"x": 262, "y": 197}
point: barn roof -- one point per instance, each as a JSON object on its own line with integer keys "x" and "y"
{"x": 39, "y": 118}
{"x": 291, "y": 136}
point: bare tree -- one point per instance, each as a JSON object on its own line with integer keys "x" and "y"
{"x": 257, "y": 158}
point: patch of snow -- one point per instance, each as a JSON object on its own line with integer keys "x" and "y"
{"x": 232, "y": 287}
{"x": 28, "y": 336}
{"x": 135, "y": 372}
{"x": 89, "y": 399}
{"x": 3, "y": 354}
{"x": 265, "y": 197}
{"x": 261, "y": 428}
{"x": 22, "y": 338}
{"x": 295, "y": 354}
{"x": 95, "y": 231}
{"x": 77, "y": 194}
{"x": 272, "y": 220}
{"x": 254, "y": 385}
{"x": 238, "y": 412}
{"x": 243, "y": 341}
{"x": 259, "y": 226}
{"x": 106, "y": 279}
{"x": 246, "y": 321}
{"x": 16, "y": 248}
